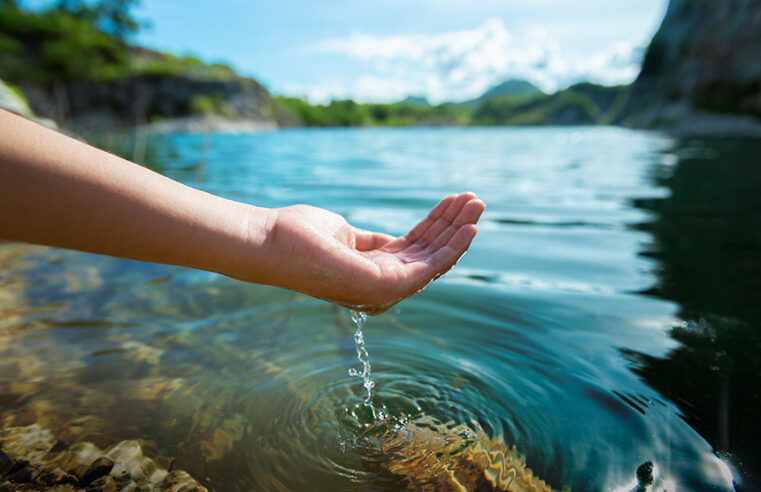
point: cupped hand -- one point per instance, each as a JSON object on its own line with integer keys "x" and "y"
{"x": 317, "y": 252}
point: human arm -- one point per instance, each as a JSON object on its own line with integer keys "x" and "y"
{"x": 57, "y": 191}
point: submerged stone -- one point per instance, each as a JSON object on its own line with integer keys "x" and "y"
{"x": 37, "y": 462}
{"x": 645, "y": 474}
{"x": 5, "y": 464}
{"x": 434, "y": 456}
{"x": 99, "y": 467}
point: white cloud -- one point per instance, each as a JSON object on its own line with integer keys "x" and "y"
{"x": 462, "y": 64}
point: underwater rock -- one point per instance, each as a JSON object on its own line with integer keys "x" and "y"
{"x": 21, "y": 475}
{"x": 433, "y": 456}
{"x": 101, "y": 466}
{"x": 5, "y": 464}
{"x": 645, "y": 474}
{"x": 41, "y": 461}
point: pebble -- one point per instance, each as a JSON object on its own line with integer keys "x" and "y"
{"x": 645, "y": 474}
{"x": 31, "y": 458}
{"x": 5, "y": 464}
{"x": 99, "y": 467}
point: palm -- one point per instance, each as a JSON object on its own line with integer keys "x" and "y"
{"x": 410, "y": 262}
{"x": 371, "y": 271}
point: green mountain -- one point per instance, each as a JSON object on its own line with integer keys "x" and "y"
{"x": 415, "y": 100}
{"x": 514, "y": 88}
{"x": 581, "y": 104}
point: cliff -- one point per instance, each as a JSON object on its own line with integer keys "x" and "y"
{"x": 89, "y": 105}
{"x": 69, "y": 65}
{"x": 700, "y": 74}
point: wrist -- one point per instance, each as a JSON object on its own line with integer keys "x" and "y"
{"x": 254, "y": 237}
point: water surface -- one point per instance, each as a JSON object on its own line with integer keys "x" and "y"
{"x": 605, "y": 316}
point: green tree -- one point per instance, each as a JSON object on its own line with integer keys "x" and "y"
{"x": 113, "y": 17}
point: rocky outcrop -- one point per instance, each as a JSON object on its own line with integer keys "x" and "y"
{"x": 13, "y": 102}
{"x": 701, "y": 73}
{"x": 11, "y": 99}
{"x": 129, "y": 101}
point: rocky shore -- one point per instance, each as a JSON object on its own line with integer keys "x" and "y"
{"x": 699, "y": 77}
{"x": 31, "y": 458}
{"x": 208, "y": 123}
{"x": 166, "y": 102}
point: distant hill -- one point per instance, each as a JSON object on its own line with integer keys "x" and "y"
{"x": 512, "y": 87}
{"x": 515, "y": 88}
{"x": 415, "y": 100}
{"x": 581, "y": 104}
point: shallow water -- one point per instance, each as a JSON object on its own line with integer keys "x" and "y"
{"x": 606, "y": 315}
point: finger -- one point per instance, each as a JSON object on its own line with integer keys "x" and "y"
{"x": 446, "y": 257}
{"x": 461, "y": 200}
{"x": 447, "y": 217}
{"x": 368, "y": 240}
{"x": 469, "y": 214}
{"x": 424, "y": 224}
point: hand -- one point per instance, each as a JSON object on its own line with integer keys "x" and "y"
{"x": 317, "y": 252}
{"x": 67, "y": 194}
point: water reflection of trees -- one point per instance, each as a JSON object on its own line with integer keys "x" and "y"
{"x": 707, "y": 242}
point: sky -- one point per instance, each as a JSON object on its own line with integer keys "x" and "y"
{"x": 386, "y": 50}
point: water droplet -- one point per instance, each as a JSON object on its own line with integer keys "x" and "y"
{"x": 359, "y": 319}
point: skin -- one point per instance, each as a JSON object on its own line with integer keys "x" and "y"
{"x": 58, "y": 191}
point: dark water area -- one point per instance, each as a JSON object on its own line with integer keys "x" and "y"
{"x": 606, "y": 316}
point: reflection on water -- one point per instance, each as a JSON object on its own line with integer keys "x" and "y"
{"x": 707, "y": 240}
{"x": 538, "y": 356}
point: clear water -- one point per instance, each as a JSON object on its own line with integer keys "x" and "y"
{"x": 359, "y": 318}
{"x": 606, "y": 315}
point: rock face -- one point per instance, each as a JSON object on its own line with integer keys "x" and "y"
{"x": 130, "y": 101}
{"x": 701, "y": 69}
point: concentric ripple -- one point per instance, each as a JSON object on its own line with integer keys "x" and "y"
{"x": 319, "y": 419}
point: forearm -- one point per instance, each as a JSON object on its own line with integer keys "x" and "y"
{"x": 57, "y": 191}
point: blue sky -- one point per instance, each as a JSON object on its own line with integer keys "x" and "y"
{"x": 384, "y": 50}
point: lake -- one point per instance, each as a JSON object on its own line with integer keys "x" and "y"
{"x": 605, "y": 316}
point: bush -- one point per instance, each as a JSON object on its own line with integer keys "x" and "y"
{"x": 62, "y": 44}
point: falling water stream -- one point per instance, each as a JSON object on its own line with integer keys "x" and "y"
{"x": 359, "y": 319}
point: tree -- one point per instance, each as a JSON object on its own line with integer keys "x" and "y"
{"x": 113, "y": 17}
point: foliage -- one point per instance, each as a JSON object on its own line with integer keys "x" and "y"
{"x": 583, "y": 103}
{"x": 55, "y": 45}
{"x": 351, "y": 113}
{"x": 155, "y": 63}
{"x": 85, "y": 40}
{"x": 17, "y": 92}
{"x": 113, "y": 17}
{"x": 514, "y": 88}
{"x": 207, "y": 104}
{"x": 78, "y": 40}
